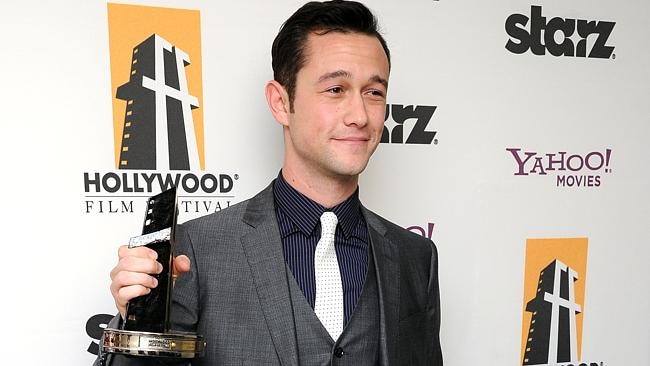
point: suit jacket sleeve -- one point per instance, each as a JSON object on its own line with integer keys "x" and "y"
{"x": 419, "y": 324}
{"x": 419, "y": 315}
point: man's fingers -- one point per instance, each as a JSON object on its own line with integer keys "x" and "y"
{"x": 132, "y": 275}
{"x": 130, "y": 278}
{"x": 125, "y": 294}
{"x": 130, "y": 292}
{"x": 143, "y": 252}
{"x": 125, "y": 279}
{"x": 136, "y": 264}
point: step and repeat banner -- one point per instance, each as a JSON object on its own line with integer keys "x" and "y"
{"x": 515, "y": 138}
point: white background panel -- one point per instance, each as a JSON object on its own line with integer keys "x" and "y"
{"x": 57, "y": 124}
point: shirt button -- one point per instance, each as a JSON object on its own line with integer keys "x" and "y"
{"x": 338, "y": 352}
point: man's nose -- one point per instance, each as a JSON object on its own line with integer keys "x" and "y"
{"x": 356, "y": 113}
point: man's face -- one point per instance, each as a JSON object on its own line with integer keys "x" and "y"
{"x": 339, "y": 105}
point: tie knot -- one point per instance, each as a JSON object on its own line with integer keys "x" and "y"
{"x": 328, "y": 221}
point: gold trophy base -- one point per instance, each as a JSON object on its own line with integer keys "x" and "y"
{"x": 177, "y": 345}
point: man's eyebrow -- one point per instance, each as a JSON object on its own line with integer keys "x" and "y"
{"x": 334, "y": 75}
{"x": 380, "y": 80}
{"x": 348, "y": 75}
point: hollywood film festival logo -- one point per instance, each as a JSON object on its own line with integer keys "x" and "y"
{"x": 568, "y": 169}
{"x": 554, "y": 294}
{"x": 158, "y": 118}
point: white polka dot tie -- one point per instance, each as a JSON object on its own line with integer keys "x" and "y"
{"x": 329, "y": 289}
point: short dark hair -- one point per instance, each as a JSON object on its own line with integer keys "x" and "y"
{"x": 288, "y": 51}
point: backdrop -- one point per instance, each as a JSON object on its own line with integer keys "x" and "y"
{"x": 516, "y": 138}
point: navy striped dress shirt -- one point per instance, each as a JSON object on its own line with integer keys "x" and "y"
{"x": 299, "y": 223}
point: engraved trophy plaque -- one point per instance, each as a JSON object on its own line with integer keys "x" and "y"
{"x": 145, "y": 331}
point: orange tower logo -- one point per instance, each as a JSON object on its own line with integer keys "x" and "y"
{"x": 156, "y": 87}
{"x": 554, "y": 294}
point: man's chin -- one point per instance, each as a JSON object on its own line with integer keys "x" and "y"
{"x": 351, "y": 170}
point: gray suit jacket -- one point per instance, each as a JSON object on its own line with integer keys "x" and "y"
{"x": 237, "y": 294}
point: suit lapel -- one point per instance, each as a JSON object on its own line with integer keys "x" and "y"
{"x": 386, "y": 257}
{"x": 263, "y": 250}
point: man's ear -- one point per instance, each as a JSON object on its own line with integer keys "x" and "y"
{"x": 278, "y": 101}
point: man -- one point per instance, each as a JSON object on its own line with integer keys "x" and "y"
{"x": 258, "y": 281}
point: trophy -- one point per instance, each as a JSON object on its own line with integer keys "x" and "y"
{"x": 145, "y": 331}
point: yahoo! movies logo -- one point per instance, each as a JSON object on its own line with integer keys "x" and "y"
{"x": 559, "y": 36}
{"x": 554, "y": 298}
{"x": 570, "y": 170}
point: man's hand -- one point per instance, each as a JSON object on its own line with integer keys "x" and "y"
{"x": 131, "y": 277}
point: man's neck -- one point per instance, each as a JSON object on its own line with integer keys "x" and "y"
{"x": 326, "y": 191}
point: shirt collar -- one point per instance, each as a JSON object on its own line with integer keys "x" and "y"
{"x": 305, "y": 214}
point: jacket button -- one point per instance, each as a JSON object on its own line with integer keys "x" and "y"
{"x": 338, "y": 352}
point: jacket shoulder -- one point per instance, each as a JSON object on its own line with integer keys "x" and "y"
{"x": 229, "y": 224}
{"x": 230, "y": 214}
{"x": 396, "y": 233}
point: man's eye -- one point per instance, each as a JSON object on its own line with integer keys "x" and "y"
{"x": 376, "y": 93}
{"x": 335, "y": 90}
